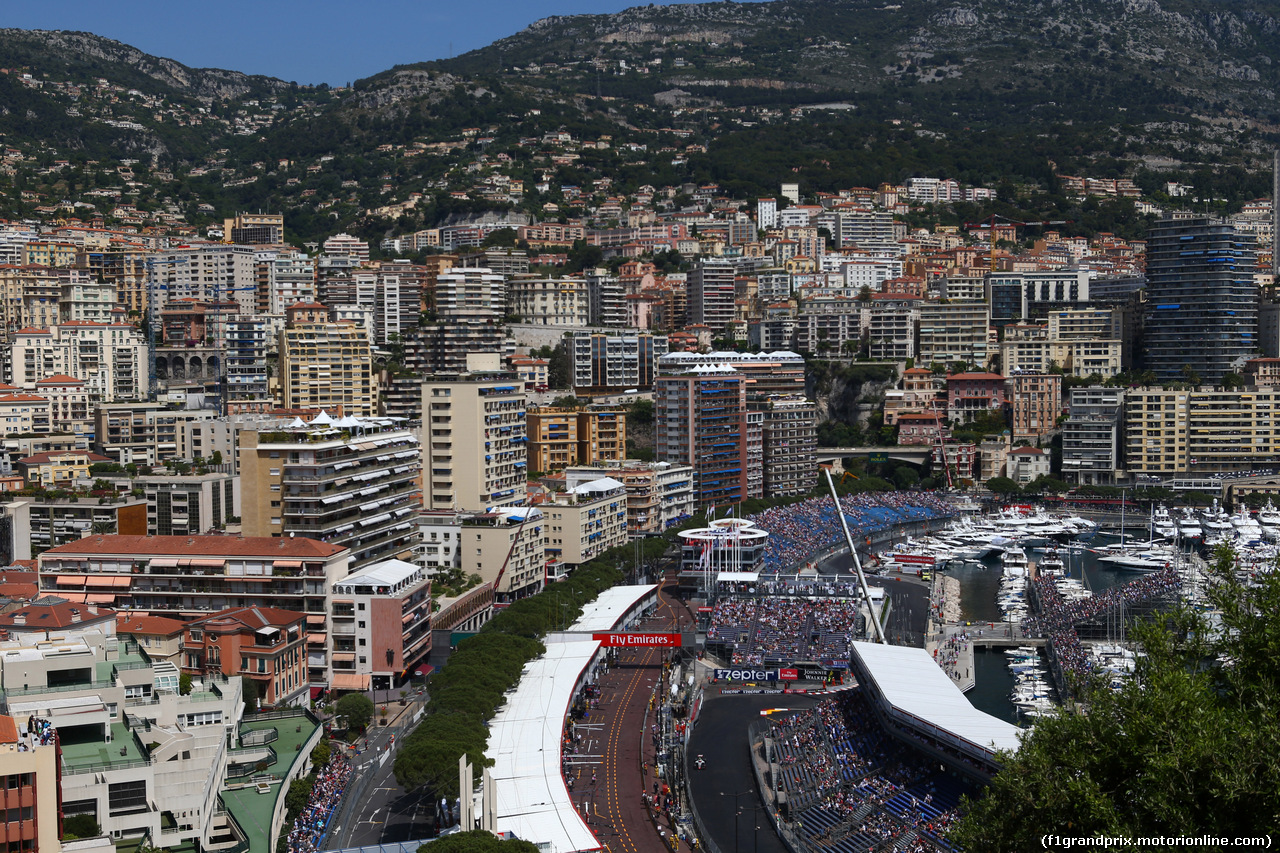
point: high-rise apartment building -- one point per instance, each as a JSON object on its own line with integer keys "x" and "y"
{"x": 1175, "y": 431}
{"x": 604, "y": 364}
{"x": 1093, "y": 437}
{"x": 205, "y": 272}
{"x": 473, "y": 432}
{"x": 701, "y": 422}
{"x": 790, "y": 440}
{"x": 326, "y": 365}
{"x": 351, "y": 482}
{"x": 954, "y": 331}
{"x": 285, "y": 279}
{"x": 261, "y": 229}
{"x": 711, "y": 295}
{"x": 111, "y": 358}
{"x": 1202, "y": 300}
{"x": 246, "y": 359}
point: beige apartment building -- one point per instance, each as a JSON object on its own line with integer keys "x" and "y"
{"x": 954, "y": 331}
{"x": 505, "y": 546}
{"x": 658, "y": 493}
{"x": 351, "y": 482}
{"x": 474, "y": 451}
{"x": 559, "y": 438}
{"x": 585, "y": 521}
{"x": 327, "y": 366}
{"x": 1035, "y": 402}
{"x": 1206, "y": 431}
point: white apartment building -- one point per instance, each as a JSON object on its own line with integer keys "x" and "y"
{"x": 548, "y": 301}
{"x": 471, "y": 294}
{"x": 290, "y": 278}
{"x": 111, "y": 358}
{"x": 205, "y": 272}
{"x": 348, "y": 481}
{"x": 658, "y": 493}
{"x": 871, "y": 273}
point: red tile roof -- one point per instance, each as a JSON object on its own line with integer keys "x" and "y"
{"x": 8, "y": 730}
{"x": 190, "y": 546}
{"x": 973, "y": 377}
{"x": 47, "y": 456}
{"x": 60, "y": 379}
{"x": 53, "y": 612}
{"x": 256, "y": 618}
{"x": 134, "y": 623}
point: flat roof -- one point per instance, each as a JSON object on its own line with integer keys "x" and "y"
{"x": 531, "y": 799}
{"x": 389, "y": 572}
{"x": 913, "y": 684}
{"x": 610, "y": 606}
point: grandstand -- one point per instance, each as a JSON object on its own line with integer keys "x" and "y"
{"x": 785, "y": 631}
{"x": 844, "y": 785}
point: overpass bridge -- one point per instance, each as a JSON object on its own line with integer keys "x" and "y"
{"x": 915, "y": 454}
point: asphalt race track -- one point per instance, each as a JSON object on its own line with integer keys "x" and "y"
{"x": 720, "y": 735}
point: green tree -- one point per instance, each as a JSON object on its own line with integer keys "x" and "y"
{"x": 357, "y": 708}
{"x": 560, "y": 368}
{"x": 1003, "y": 486}
{"x": 184, "y": 684}
{"x": 320, "y": 754}
{"x": 80, "y": 826}
{"x": 1185, "y": 747}
{"x": 477, "y": 841}
{"x": 249, "y": 689}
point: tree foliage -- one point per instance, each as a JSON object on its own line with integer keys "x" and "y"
{"x": 477, "y": 841}
{"x": 1186, "y": 748}
{"x": 471, "y": 687}
{"x": 357, "y": 708}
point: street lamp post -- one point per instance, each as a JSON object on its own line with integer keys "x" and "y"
{"x": 737, "y": 818}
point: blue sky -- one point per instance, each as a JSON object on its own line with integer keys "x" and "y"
{"x": 320, "y": 41}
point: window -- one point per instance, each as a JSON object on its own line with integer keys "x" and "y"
{"x": 360, "y": 624}
{"x": 360, "y": 606}
{"x": 127, "y": 797}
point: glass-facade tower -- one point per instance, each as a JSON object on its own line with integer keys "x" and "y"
{"x": 1202, "y": 300}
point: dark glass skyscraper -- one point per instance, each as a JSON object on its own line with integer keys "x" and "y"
{"x": 1202, "y": 301}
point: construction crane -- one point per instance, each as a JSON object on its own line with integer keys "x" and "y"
{"x": 990, "y": 224}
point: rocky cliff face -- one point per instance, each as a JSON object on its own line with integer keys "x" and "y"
{"x": 848, "y": 393}
{"x": 90, "y": 51}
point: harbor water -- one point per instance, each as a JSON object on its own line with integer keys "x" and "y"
{"x": 979, "y": 585}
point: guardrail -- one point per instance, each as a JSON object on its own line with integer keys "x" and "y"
{"x": 239, "y": 769}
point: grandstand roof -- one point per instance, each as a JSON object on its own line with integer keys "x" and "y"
{"x": 612, "y": 605}
{"x": 915, "y": 686}
{"x": 531, "y": 799}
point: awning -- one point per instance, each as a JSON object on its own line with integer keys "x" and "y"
{"x": 258, "y": 578}
{"x": 317, "y": 638}
{"x": 408, "y": 617}
{"x": 350, "y": 681}
{"x": 288, "y": 564}
{"x": 165, "y": 563}
{"x": 109, "y": 581}
{"x": 100, "y": 598}
{"x": 344, "y": 657}
{"x": 71, "y": 580}
{"x": 208, "y": 564}
{"x": 315, "y": 618}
